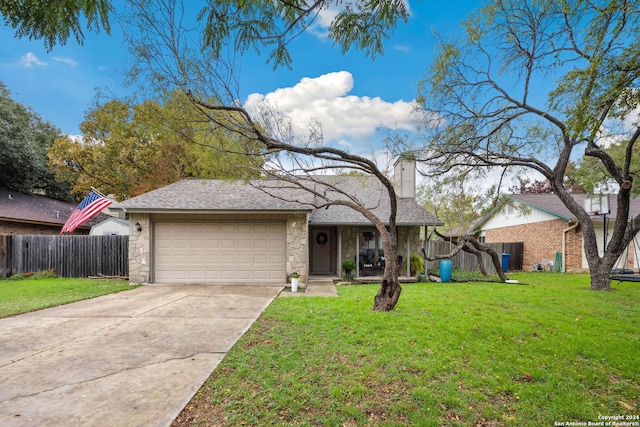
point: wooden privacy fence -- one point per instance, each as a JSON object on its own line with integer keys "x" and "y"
{"x": 468, "y": 262}
{"x": 69, "y": 256}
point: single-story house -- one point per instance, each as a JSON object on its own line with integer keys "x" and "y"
{"x": 221, "y": 231}
{"x": 111, "y": 227}
{"x": 545, "y": 226}
{"x": 32, "y": 214}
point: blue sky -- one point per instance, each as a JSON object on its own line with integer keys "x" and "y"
{"x": 61, "y": 85}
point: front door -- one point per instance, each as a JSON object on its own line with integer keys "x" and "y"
{"x": 323, "y": 250}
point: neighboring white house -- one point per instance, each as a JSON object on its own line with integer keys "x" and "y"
{"x": 111, "y": 227}
{"x": 546, "y": 226}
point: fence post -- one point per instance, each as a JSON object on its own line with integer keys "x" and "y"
{"x": 5, "y": 256}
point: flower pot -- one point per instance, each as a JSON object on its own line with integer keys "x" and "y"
{"x": 294, "y": 284}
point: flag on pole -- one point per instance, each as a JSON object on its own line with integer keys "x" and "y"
{"x": 87, "y": 209}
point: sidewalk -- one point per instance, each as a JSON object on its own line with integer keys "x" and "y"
{"x": 317, "y": 287}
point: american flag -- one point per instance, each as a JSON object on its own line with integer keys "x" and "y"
{"x": 87, "y": 209}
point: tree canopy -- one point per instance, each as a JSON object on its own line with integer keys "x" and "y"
{"x": 128, "y": 150}
{"x": 241, "y": 25}
{"x": 24, "y": 140}
{"x": 529, "y": 85}
{"x": 53, "y": 21}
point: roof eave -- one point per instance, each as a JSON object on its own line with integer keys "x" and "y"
{"x": 216, "y": 211}
{"x": 370, "y": 224}
{"x": 33, "y": 222}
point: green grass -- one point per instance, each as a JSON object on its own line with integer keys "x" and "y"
{"x": 461, "y": 354}
{"x": 35, "y": 293}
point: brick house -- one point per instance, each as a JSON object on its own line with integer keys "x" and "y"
{"x": 545, "y": 226}
{"x": 24, "y": 214}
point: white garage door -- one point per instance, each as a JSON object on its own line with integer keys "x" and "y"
{"x": 219, "y": 252}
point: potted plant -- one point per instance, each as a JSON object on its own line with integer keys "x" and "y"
{"x": 295, "y": 277}
{"x": 416, "y": 264}
{"x": 348, "y": 266}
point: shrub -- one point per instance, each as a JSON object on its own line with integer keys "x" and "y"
{"x": 348, "y": 265}
{"x": 416, "y": 264}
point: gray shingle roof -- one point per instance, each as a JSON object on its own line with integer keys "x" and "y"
{"x": 217, "y": 196}
{"x": 213, "y": 195}
{"x": 373, "y": 194}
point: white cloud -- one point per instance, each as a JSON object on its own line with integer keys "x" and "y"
{"x": 325, "y": 99}
{"x": 616, "y": 131}
{"x": 30, "y": 60}
{"x": 401, "y": 48}
{"x": 69, "y": 61}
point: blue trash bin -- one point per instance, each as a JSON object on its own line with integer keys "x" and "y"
{"x": 505, "y": 262}
{"x": 445, "y": 270}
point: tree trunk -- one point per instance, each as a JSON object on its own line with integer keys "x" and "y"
{"x": 600, "y": 280}
{"x": 390, "y": 289}
{"x": 387, "y": 296}
{"x": 599, "y": 267}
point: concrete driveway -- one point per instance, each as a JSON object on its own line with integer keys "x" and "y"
{"x": 133, "y": 358}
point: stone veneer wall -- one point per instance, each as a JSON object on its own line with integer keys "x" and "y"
{"x": 541, "y": 242}
{"x": 139, "y": 249}
{"x": 413, "y": 233}
{"x": 298, "y": 246}
{"x": 348, "y": 236}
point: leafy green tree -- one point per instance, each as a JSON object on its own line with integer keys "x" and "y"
{"x": 24, "y": 140}
{"x": 456, "y": 208}
{"x": 487, "y": 109}
{"x": 128, "y": 150}
{"x": 241, "y": 25}
{"x": 53, "y": 21}
{"x": 595, "y": 178}
{"x": 362, "y": 24}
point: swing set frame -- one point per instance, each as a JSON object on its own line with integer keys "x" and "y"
{"x": 625, "y": 274}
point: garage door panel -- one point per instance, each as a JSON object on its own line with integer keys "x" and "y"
{"x": 244, "y": 259}
{"x": 244, "y": 243}
{"x": 219, "y": 252}
{"x": 211, "y": 243}
{"x": 212, "y": 259}
{"x": 276, "y": 259}
{"x": 259, "y": 243}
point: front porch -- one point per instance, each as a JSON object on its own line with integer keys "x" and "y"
{"x": 330, "y": 246}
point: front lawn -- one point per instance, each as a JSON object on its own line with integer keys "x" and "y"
{"x": 22, "y": 296}
{"x": 473, "y": 354}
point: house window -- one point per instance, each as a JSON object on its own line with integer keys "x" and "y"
{"x": 482, "y": 239}
{"x": 371, "y": 252}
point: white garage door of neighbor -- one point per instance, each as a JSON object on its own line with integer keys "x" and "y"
{"x": 219, "y": 252}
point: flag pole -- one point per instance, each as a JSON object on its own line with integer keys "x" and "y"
{"x": 112, "y": 201}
